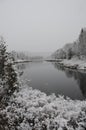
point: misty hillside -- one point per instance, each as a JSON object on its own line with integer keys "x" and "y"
{"x": 77, "y": 48}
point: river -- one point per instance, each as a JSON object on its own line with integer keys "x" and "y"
{"x": 52, "y": 78}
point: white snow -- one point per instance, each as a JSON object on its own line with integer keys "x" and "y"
{"x": 75, "y": 61}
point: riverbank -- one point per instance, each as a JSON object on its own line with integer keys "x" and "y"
{"x": 74, "y": 63}
{"x": 31, "y": 109}
{"x": 22, "y": 61}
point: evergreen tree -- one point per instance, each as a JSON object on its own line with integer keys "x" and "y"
{"x": 69, "y": 54}
{"x": 8, "y": 76}
{"x": 11, "y": 78}
{"x": 3, "y": 57}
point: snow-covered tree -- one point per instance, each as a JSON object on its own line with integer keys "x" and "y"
{"x": 77, "y": 48}
{"x": 8, "y": 76}
{"x": 3, "y": 57}
{"x": 69, "y": 54}
{"x": 11, "y": 78}
{"x": 82, "y": 42}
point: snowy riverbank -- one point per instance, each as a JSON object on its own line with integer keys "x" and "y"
{"x": 74, "y": 63}
{"x": 31, "y": 109}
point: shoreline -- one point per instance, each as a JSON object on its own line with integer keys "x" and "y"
{"x": 73, "y": 64}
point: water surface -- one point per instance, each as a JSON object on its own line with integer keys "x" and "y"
{"x": 52, "y": 78}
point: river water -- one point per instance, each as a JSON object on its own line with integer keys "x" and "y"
{"x": 52, "y": 78}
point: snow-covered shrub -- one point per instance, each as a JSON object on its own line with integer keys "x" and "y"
{"x": 31, "y": 109}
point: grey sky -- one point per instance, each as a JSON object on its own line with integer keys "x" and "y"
{"x": 41, "y": 25}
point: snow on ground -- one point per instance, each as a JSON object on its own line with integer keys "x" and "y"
{"x": 75, "y": 61}
{"x": 33, "y": 110}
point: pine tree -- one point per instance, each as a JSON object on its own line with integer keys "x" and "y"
{"x": 11, "y": 78}
{"x": 3, "y": 57}
{"x": 8, "y": 76}
{"x": 69, "y": 54}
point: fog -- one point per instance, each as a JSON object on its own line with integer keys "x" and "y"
{"x": 41, "y": 25}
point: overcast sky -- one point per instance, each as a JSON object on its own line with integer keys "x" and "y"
{"x": 41, "y": 25}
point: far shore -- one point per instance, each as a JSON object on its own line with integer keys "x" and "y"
{"x": 73, "y": 63}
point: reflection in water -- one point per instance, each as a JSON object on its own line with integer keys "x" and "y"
{"x": 21, "y": 66}
{"x": 78, "y": 76}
